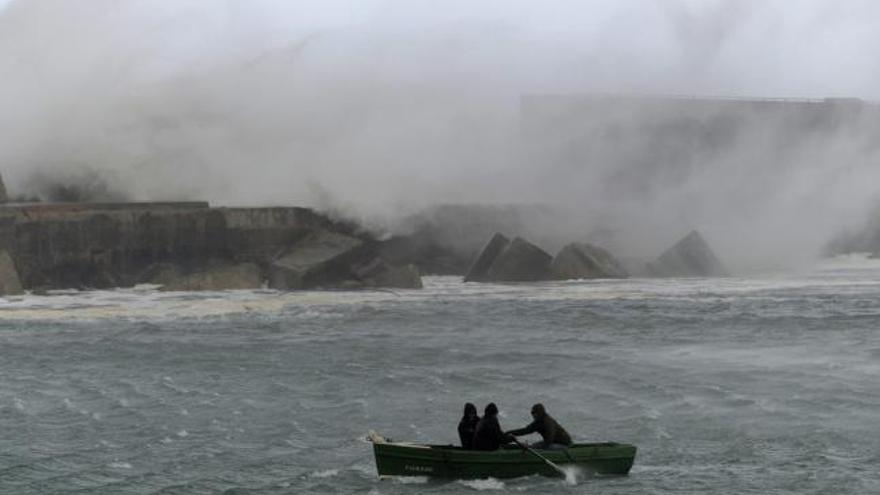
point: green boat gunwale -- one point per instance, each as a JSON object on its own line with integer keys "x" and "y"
{"x": 449, "y": 461}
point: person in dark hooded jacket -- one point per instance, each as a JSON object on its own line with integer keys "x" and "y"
{"x": 553, "y": 434}
{"x": 468, "y": 425}
{"x": 488, "y": 434}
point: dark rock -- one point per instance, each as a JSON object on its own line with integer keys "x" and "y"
{"x": 103, "y": 278}
{"x": 321, "y": 259}
{"x": 349, "y": 285}
{"x": 521, "y": 261}
{"x": 221, "y": 277}
{"x": 581, "y": 260}
{"x": 479, "y": 270}
{"x": 430, "y": 255}
{"x": 160, "y": 274}
{"x": 689, "y": 257}
{"x": 445, "y": 239}
{"x": 10, "y": 284}
{"x": 378, "y": 273}
{"x": 510, "y": 261}
{"x": 260, "y": 234}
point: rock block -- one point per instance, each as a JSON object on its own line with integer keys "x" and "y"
{"x": 520, "y": 261}
{"x": 479, "y": 270}
{"x": 581, "y": 260}
{"x": 222, "y": 277}
{"x": 689, "y": 257}
{"x": 10, "y": 284}
{"x": 378, "y": 273}
{"x": 321, "y": 259}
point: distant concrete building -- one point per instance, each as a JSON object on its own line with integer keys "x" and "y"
{"x": 638, "y": 144}
{"x": 679, "y": 114}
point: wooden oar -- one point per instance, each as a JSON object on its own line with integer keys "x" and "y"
{"x": 539, "y": 456}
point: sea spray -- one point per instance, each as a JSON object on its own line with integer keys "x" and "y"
{"x": 572, "y": 474}
{"x": 483, "y": 484}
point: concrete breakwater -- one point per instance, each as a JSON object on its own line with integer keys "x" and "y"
{"x": 186, "y": 246}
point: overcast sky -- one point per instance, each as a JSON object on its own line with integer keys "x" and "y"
{"x": 757, "y": 47}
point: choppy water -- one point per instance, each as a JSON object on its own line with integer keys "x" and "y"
{"x": 727, "y": 386}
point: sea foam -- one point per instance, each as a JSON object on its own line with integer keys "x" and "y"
{"x": 484, "y": 484}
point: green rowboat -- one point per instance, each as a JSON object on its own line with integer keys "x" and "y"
{"x": 447, "y": 461}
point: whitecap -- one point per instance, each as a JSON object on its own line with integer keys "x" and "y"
{"x": 183, "y": 433}
{"x": 483, "y": 484}
{"x": 411, "y": 480}
{"x": 120, "y": 465}
{"x": 329, "y": 473}
{"x": 367, "y": 469}
{"x": 572, "y": 474}
{"x": 653, "y": 413}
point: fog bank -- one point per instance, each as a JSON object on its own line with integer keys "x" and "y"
{"x": 379, "y": 109}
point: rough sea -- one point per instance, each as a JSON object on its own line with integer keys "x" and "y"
{"x": 764, "y": 385}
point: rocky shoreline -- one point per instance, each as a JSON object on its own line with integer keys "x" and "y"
{"x": 518, "y": 260}
{"x": 190, "y": 246}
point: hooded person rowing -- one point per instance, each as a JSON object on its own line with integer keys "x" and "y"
{"x": 554, "y": 435}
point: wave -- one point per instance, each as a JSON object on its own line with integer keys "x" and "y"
{"x": 328, "y": 473}
{"x": 854, "y": 275}
{"x": 483, "y": 484}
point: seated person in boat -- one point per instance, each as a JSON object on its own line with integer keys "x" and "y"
{"x": 554, "y": 435}
{"x": 488, "y": 434}
{"x": 468, "y": 425}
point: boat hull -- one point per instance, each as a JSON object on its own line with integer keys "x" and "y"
{"x": 395, "y": 459}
